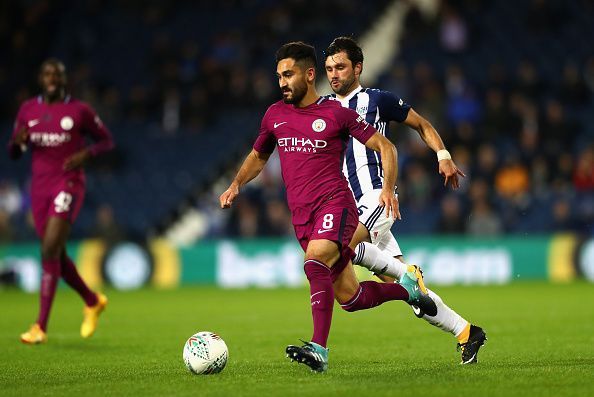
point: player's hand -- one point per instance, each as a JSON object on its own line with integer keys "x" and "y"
{"x": 450, "y": 172}
{"x": 228, "y": 196}
{"x": 21, "y": 136}
{"x": 390, "y": 202}
{"x": 77, "y": 160}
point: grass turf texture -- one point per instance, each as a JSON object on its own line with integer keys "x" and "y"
{"x": 541, "y": 342}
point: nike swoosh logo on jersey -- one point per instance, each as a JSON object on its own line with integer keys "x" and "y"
{"x": 33, "y": 123}
{"x": 320, "y": 231}
{"x": 276, "y": 125}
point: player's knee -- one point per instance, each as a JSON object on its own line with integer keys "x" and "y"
{"x": 51, "y": 250}
{"x": 327, "y": 255}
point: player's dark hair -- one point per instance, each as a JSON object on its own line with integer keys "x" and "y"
{"x": 300, "y": 52}
{"x": 54, "y": 62}
{"x": 348, "y": 45}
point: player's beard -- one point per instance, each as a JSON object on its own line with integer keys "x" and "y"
{"x": 299, "y": 91}
{"x": 345, "y": 86}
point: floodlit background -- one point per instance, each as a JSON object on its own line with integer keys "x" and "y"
{"x": 182, "y": 85}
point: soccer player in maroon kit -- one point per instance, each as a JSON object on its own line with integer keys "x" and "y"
{"x": 311, "y": 133}
{"x": 54, "y": 126}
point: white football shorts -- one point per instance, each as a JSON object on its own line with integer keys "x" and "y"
{"x": 373, "y": 217}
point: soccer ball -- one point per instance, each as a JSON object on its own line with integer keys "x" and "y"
{"x": 205, "y": 353}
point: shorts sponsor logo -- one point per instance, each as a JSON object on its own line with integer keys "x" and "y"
{"x": 320, "y": 231}
{"x": 318, "y": 125}
{"x": 66, "y": 123}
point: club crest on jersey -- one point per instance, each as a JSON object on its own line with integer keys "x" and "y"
{"x": 66, "y": 123}
{"x": 318, "y": 125}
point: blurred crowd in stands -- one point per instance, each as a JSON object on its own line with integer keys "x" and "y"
{"x": 509, "y": 86}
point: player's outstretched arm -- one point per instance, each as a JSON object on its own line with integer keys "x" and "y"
{"x": 447, "y": 167}
{"x": 389, "y": 156}
{"x": 251, "y": 167}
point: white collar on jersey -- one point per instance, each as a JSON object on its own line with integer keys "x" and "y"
{"x": 66, "y": 98}
{"x": 351, "y": 95}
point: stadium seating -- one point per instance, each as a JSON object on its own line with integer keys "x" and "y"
{"x": 123, "y": 59}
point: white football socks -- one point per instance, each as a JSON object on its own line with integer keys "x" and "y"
{"x": 379, "y": 262}
{"x": 446, "y": 319}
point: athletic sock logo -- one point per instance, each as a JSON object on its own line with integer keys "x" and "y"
{"x": 315, "y": 302}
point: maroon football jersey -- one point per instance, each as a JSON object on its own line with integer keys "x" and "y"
{"x": 57, "y": 131}
{"x": 311, "y": 142}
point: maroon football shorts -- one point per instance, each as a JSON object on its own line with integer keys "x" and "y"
{"x": 64, "y": 200}
{"x": 335, "y": 220}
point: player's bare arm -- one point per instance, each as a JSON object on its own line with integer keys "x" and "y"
{"x": 447, "y": 167}
{"x": 251, "y": 168}
{"x": 18, "y": 145}
{"x": 21, "y": 136}
{"x": 389, "y": 155}
{"x": 77, "y": 160}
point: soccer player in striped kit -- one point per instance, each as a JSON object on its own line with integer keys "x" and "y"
{"x": 310, "y": 133}
{"x": 54, "y": 126}
{"x": 374, "y": 245}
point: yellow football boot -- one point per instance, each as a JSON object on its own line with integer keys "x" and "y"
{"x": 91, "y": 316}
{"x": 34, "y": 336}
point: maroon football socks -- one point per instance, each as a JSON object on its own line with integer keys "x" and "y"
{"x": 73, "y": 279}
{"x": 322, "y": 299}
{"x": 372, "y": 294}
{"x": 49, "y": 282}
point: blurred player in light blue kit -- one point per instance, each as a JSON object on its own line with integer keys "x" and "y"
{"x": 375, "y": 247}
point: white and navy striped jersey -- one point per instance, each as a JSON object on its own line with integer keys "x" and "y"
{"x": 362, "y": 166}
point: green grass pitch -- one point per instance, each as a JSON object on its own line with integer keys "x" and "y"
{"x": 541, "y": 343}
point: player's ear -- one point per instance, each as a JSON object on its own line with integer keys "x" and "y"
{"x": 358, "y": 68}
{"x": 310, "y": 74}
